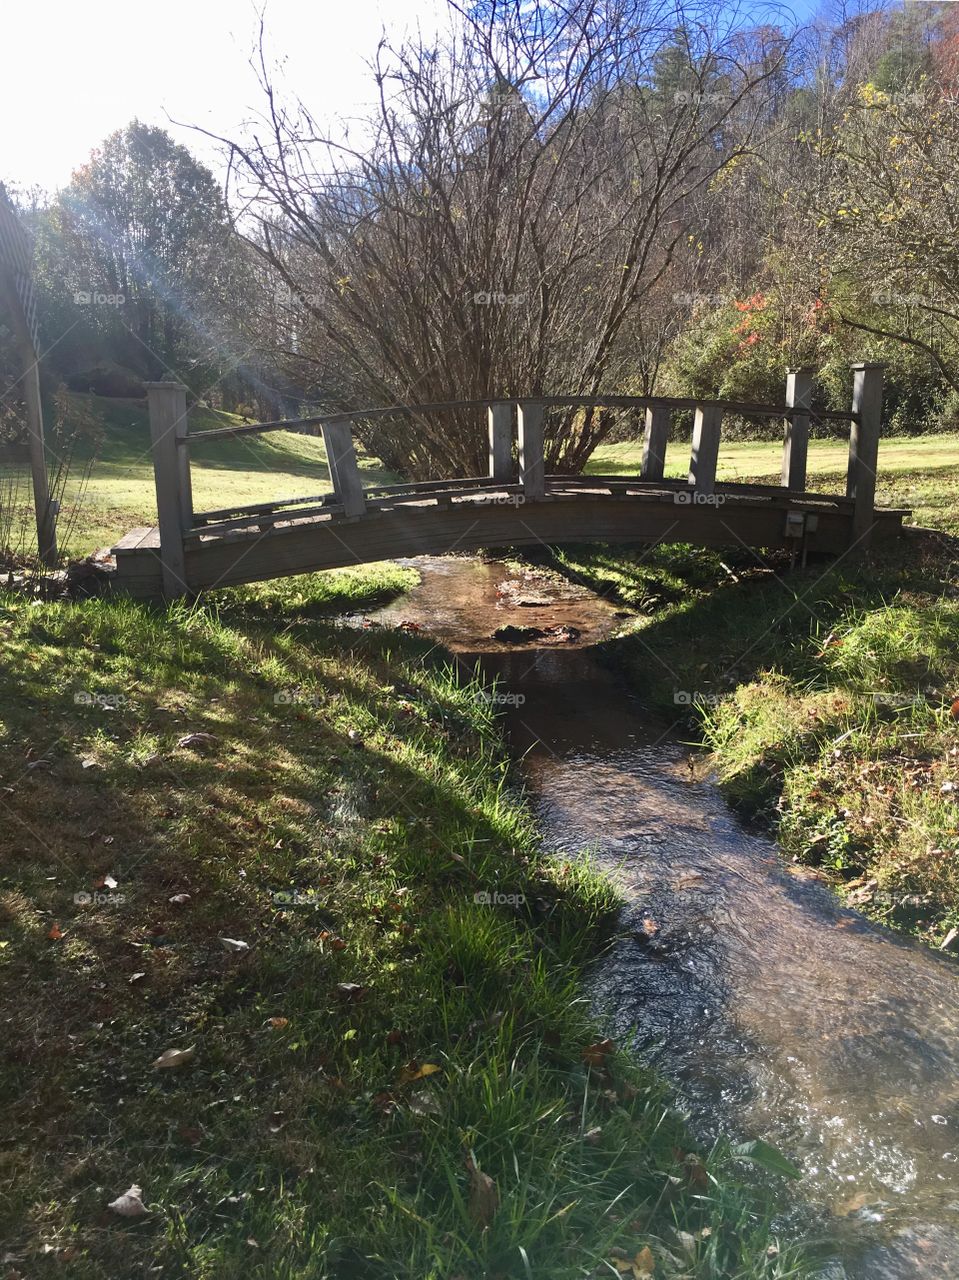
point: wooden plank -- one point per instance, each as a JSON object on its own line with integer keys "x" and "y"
{"x": 548, "y": 402}
{"x": 344, "y": 472}
{"x": 168, "y": 423}
{"x": 501, "y": 443}
{"x": 654, "y": 441}
{"x": 864, "y": 448}
{"x": 707, "y": 426}
{"x": 796, "y": 429}
{"x": 532, "y": 468}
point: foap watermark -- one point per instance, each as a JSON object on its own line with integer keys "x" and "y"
{"x": 99, "y": 898}
{"x": 508, "y": 499}
{"x": 294, "y": 898}
{"x": 695, "y": 697}
{"x": 493, "y": 898}
{"x": 91, "y": 298}
{"x": 295, "y": 698}
{"x": 501, "y": 698}
{"x": 681, "y": 299}
{"x": 695, "y": 98}
{"x": 891, "y": 298}
{"x": 105, "y": 701}
{"x": 488, "y": 299}
{"x": 295, "y": 297}
{"x": 693, "y": 498}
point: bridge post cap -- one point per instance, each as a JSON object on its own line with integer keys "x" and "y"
{"x": 868, "y": 364}
{"x": 800, "y": 368}
{"x": 168, "y": 385}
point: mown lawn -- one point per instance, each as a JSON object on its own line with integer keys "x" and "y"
{"x": 248, "y": 843}
{"x": 109, "y": 486}
{"x": 828, "y": 697}
{"x": 917, "y": 472}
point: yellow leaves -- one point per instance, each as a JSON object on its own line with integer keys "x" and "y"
{"x": 640, "y": 1267}
{"x": 416, "y": 1071}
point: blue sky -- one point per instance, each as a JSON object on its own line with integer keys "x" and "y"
{"x": 74, "y": 72}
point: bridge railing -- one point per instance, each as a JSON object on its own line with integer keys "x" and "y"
{"x": 179, "y": 523}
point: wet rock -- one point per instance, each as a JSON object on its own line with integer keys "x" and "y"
{"x": 512, "y": 634}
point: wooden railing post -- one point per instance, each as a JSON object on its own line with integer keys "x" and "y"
{"x": 705, "y": 451}
{"x": 532, "y": 467}
{"x": 864, "y": 448}
{"x": 344, "y": 471}
{"x": 171, "y": 473}
{"x": 501, "y": 443}
{"x": 796, "y": 435}
{"x": 654, "y": 441}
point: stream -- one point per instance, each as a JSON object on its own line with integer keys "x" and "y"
{"x": 772, "y": 1011}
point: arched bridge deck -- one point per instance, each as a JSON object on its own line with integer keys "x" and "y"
{"x": 517, "y": 504}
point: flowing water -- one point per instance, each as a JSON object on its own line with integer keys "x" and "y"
{"x": 773, "y": 1011}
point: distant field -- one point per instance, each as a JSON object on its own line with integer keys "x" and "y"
{"x": 918, "y": 472}
{"x": 120, "y": 493}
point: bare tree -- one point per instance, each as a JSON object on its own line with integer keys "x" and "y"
{"x": 508, "y": 224}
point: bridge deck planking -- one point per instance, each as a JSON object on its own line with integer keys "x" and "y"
{"x": 249, "y": 550}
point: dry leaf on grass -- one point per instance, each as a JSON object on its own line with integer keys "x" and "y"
{"x": 197, "y": 740}
{"x": 595, "y": 1055}
{"x": 175, "y": 1057}
{"x": 235, "y": 945}
{"x": 484, "y": 1197}
{"x": 130, "y": 1204}
{"x": 416, "y": 1071}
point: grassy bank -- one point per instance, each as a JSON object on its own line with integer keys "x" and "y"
{"x": 246, "y": 967}
{"x": 826, "y": 697}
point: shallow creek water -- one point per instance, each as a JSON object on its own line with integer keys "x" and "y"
{"x": 772, "y": 1011}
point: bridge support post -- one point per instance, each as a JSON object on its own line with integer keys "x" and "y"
{"x": 171, "y": 473}
{"x": 864, "y": 448}
{"x": 654, "y": 441}
{"x": 344, "y": 472}
{"x": 707, "y": 426}
{"x": 532, "y": 466}
{"x": 501, "y": 443}
{"x": 796, "y": 435}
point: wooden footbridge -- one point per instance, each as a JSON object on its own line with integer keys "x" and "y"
{"x": 516, "y": 504}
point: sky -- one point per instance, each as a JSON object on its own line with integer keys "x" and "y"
{"x": 75, "y": 72}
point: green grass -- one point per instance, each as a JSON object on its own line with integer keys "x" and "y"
{"x": 917, "y": 472}
{"x": 120, "y": 495}
{"x": 394, "y": 1080}
{"x": 824, "y": 695}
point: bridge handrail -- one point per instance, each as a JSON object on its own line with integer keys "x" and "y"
{"x": 171, "y": 441}
{"x": 679, "y": 403}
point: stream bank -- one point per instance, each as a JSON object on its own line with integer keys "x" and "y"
{"x": 770, "y": 1008}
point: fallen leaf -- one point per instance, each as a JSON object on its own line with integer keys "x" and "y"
{"x": 484, "y": 1197}
{"x": 350, "y": 990}
{"x": 278, "y": 1023}
{"x": 130, "y": 1204}
{"x": 55, "y": 934}
{"x": 105, "y": 882}
{"x": 135, "y": 977}
{"x": 180, "y": 899}
{"x": 175, "y": 1057}
{"x": 416, "y": 1072}
{"x": 234, "y": 945}
{"x": 596, "y": 1054}
{"x": 644, "y": 1264}
{"x": 197, "y": 740}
